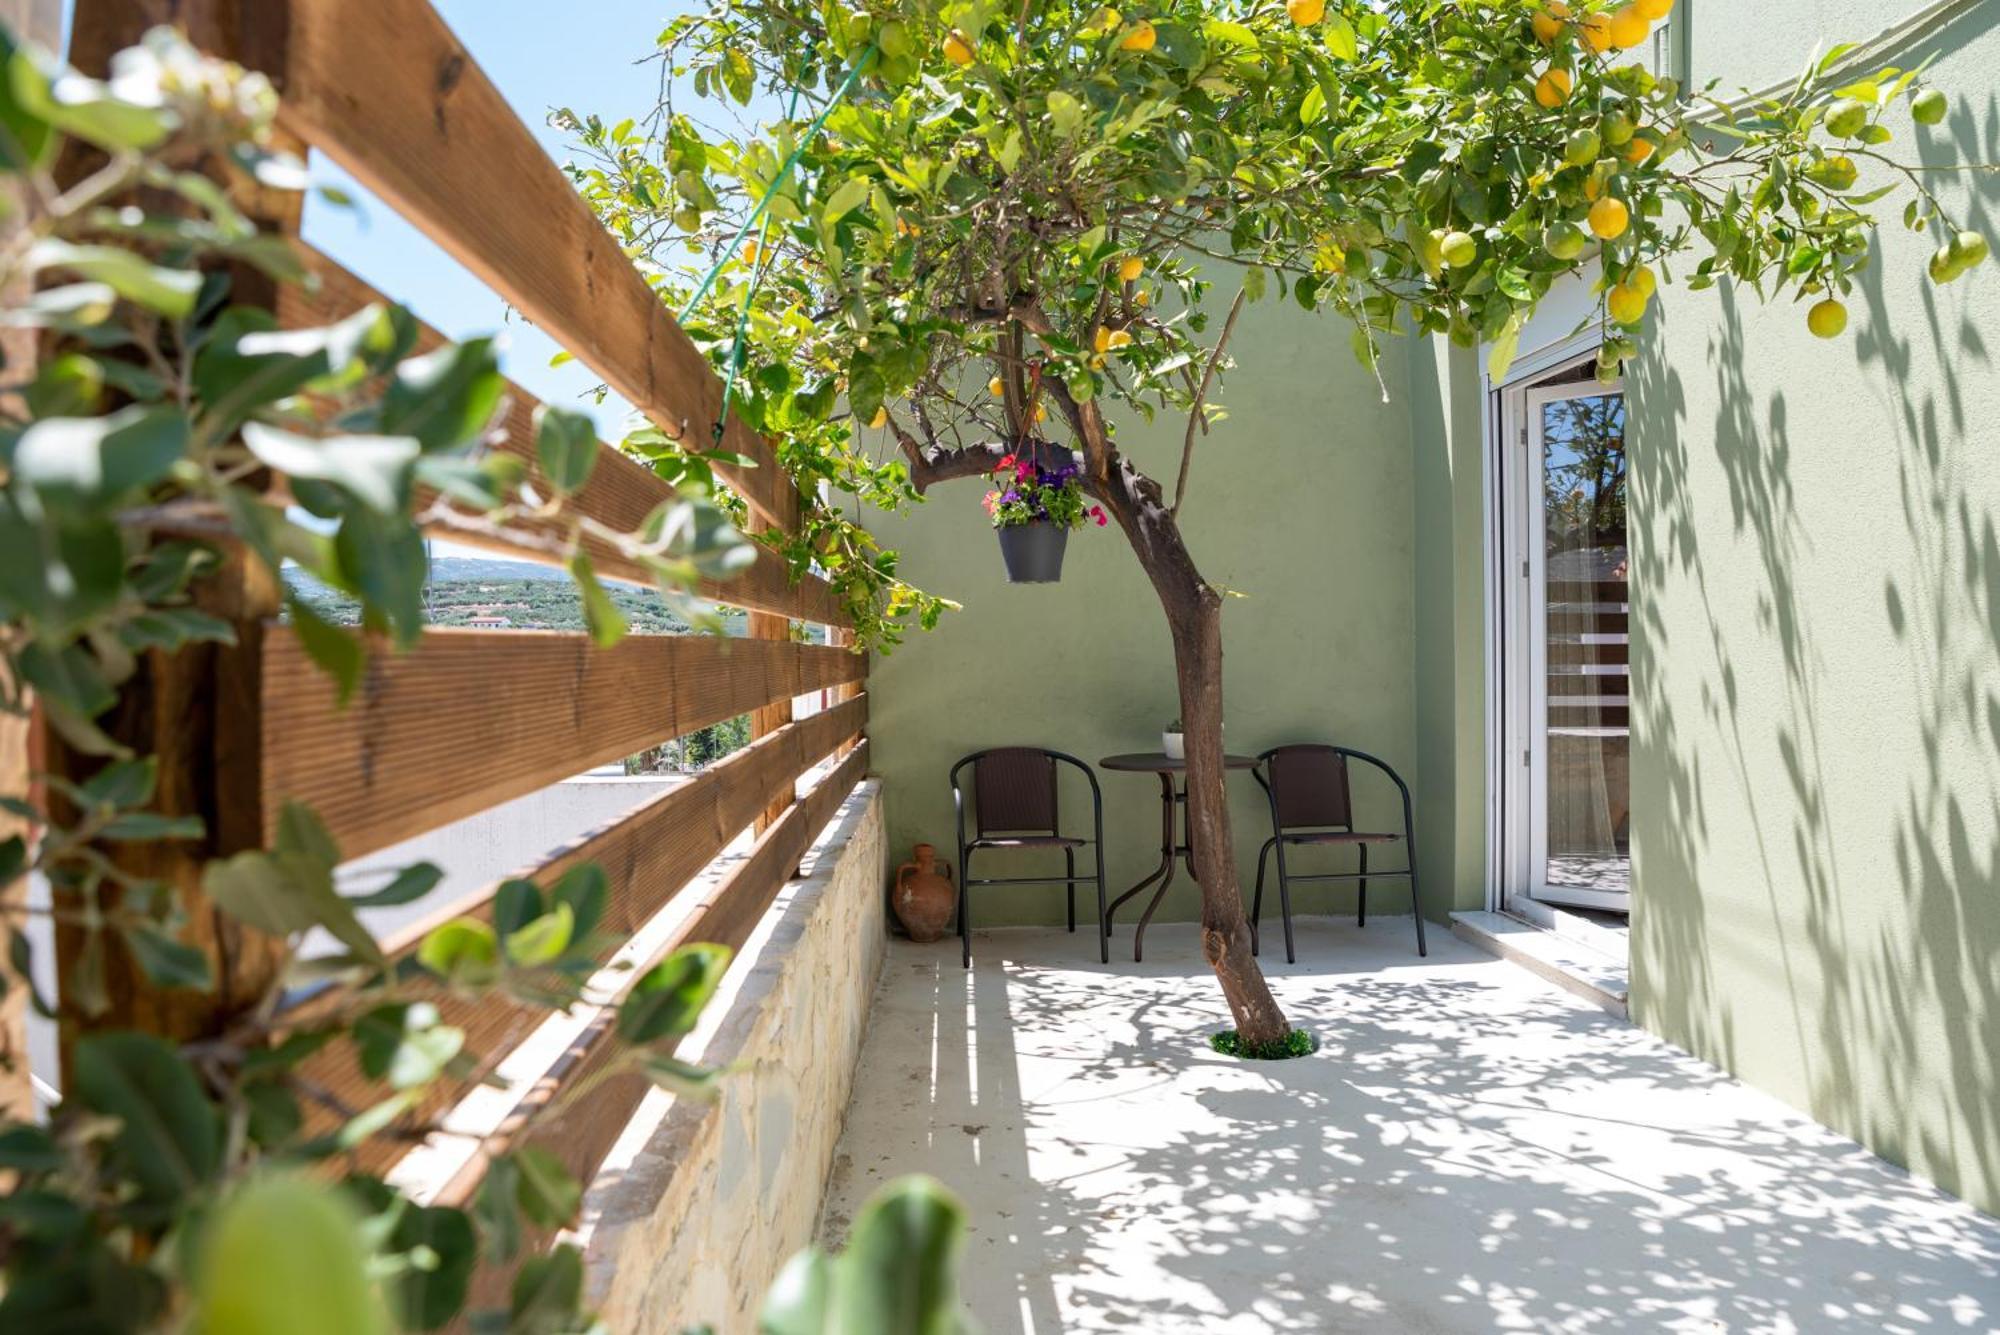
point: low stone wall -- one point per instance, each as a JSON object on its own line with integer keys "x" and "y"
{"x": 699, "y": 1204}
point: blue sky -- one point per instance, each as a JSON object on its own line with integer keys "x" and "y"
{"x": 580, "y": 55}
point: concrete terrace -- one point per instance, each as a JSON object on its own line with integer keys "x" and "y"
{"x": 1472, "y": 1149}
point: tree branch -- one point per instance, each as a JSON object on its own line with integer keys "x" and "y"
{"x": 1197, "y": 414}
{"x": 935, "y": 463}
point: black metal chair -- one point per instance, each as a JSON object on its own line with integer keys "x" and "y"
{"x": 1312, "y": 803}
{"x": 1015, "y": 805}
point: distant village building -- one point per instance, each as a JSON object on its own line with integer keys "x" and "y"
{"x": 489, "y": 622}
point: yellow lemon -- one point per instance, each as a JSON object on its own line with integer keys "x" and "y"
{"x": 1592, "y": 188}
{"x": 1041, "y": 413}
{"x": 749, "y": 252}
{"x": 1609, "y": 218}
{"x": 996, "y": 387}
{"x": 1305, "y": 13}
{"x": 1552, "y": 89}
{"x": 1628, "y": 27}
{"x": 1142, "y": 298}
{"x": 1653, "y": 10}
{"x": 1101, "y": 339}
{"x": 1130, "y": 268}
{"x": 1638, "y": 150}
{"x": 1596, "y": 31}
{"x": 1641, "y": 280}
{"x": 1626, "y": 305}
{"x": 1119, "y": 339}
{"x": 880, "y": 419}
{"x": 1827, "y": 318}
{"x": 1140, "y": 38}
{"x": 956, "y": 49}
{"x": 1548, "y": 24}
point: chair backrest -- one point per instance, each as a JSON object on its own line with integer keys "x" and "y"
{"x": 1309, "y": 787}
{"x": 1014, "y": 790}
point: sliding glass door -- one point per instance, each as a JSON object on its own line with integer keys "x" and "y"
{"x": 1565, "y": 645}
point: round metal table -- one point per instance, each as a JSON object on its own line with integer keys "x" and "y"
{"x": 1172, "y": 848}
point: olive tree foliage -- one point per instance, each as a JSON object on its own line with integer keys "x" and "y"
{"x": 1028, "y": 220}
{"x": 165, "y": 430}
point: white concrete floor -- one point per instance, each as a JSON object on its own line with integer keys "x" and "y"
{"x": 1471, "y": 1149}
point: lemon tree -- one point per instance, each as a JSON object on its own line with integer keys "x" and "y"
{"x": 1057, "y": 202}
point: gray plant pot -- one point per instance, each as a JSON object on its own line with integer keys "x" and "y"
{"x": 1033, "y": 552}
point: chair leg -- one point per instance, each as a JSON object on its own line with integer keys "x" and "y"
{"x": 1069, "y": 883}
{"x": 1417, "y": 904}
{"x": 1361, "y": 890}
{"x": 965, "y": 910}
{"x": 1257, "y": 900}
{"x": 1285, "y": 903}
{"x": 1103, "y": 913}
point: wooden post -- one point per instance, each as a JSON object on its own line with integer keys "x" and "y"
{"x": 40, "y": 22}
{"x": 770, "y": 718}
{"x": 197, "y": 711}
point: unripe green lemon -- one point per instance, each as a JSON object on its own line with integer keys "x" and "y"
{"x": 1619, "y": 128}
{"x": 1583, "y": 148}
{"x": 1929, "y": 107}
{"x": 284, "y": 1255}
{"x": 1433, "y": 251}
{"x": 1564, "y": 240}
{"x": 895, "y": 39}
{"x": 1969, "y": 249}
{"x": 1845, "y": 118}
{"x": 1835, "y": 173}
{"x": 1942, "y": 268}
{"x": 1458, "y": 249}
{"x": 1827, "y": 318}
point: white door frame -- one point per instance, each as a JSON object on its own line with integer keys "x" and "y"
{"x": 1517, "y": 681}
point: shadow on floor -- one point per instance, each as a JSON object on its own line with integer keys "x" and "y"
{"x": 1470, "y": 1149}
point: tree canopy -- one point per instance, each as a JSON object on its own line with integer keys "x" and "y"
{"x": 1013, "y": 213}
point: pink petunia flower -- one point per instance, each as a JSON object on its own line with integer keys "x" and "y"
{"x": 1097, "y": 513}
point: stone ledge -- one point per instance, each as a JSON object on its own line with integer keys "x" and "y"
{"x": 699, "y": 1204}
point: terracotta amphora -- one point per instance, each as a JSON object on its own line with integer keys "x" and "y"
{"x": 924, "y": 897}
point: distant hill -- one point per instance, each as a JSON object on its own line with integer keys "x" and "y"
{"x": 511, "y": 595}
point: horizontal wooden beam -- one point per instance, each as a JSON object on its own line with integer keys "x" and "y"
{"x": 387, "y": 91}
{"x": 621, "y": 493}
{"x": 469, "y": 719}
{"x": 648, "y": 854}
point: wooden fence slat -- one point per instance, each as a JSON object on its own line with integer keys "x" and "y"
{"x": 582, "y": 1134}
{"x": 469, "y": 719}
{"x": 621, "y": 493}
{"x": 387, "y": 91}
{"x": 649, "y": 855}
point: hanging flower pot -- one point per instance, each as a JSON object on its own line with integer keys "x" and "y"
{"x": 1037, "y": 498}
{"x": 1033, "y": 552}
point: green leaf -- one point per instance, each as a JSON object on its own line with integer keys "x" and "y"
{"x": 899, "y": 1274}
{"x": 123, "y": 783}
{"x": 848, "y": 196}
{"x": 169, "y": 1139}
{"x": 601, "y": 616}
{"x": 547, "y": 1193}
{"x": 1065, "y": 112}
{"x": 683, "y": 1079}
{"x": 169, "y": 292}
{"x": 428, "y": 1296}
{"x": 27, "y": 140}
{"x": 668, "y": 999}
{"x": 146, "y": 826}
{"x": 375, "y": 470}
{"x": 166, "y": 961}
{"x": 290, "y": 889}
{"x": 565, "y": 446}
{"x": 445, "y": 398}
{"x": 97, "y": 463}
{"x": 542, "y": 940}
{"x": 464, "y": 949}
{"x": 585, "y": 891}
{"x": 799, "y": 1299}
{"x": 171, "y": 628}
{"x": 547, "y": 1291}
{"x": 405, "y": 1045}
{"x": 339, "y": 654}
{"x": 496, "y": 1210}
{"x": 1340, "y": 39}
{"x": 408, "y": 885}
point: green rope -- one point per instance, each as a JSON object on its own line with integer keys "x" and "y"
{"x": 785, "y": 170}
{"x": 758, "y": 268}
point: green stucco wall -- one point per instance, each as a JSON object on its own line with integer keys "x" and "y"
{"x": 1816, "y": 748}
{"x": 1300, "y": 502}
